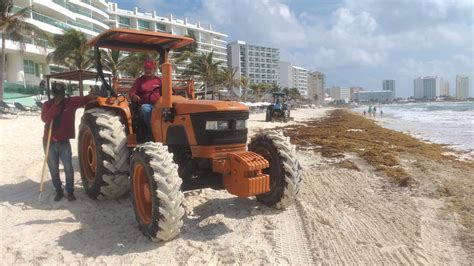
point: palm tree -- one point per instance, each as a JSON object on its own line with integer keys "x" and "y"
{"x": 113, "y": 61}
{"x": 133, "y": 63}
{"x": 204, "y": 69}
{"x": 71, "y": 50}
{"x": 244, "y": 81}
{"x": 14, "y": 26}
{"x": 229, "y": 80}
{"x": 182, "y": 54}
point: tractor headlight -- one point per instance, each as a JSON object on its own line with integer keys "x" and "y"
{"x": 240, "y": 124}
{"x": 217, "y": 125}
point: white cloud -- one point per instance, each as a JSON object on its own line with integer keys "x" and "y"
{"x": 420, "y": 36}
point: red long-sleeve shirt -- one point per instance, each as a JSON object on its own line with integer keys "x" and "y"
{"x": 66, "y": 128}
{"x": 148, "y": 88}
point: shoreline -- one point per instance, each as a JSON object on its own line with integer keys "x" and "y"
{"x": 388, "y": 120}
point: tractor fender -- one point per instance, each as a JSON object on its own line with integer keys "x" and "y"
{"x": 117, "y": 105}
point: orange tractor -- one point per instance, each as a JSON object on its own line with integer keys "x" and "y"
{"x": 191, "y": 142}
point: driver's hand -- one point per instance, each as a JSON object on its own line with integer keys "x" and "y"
{"x": 136, "y": 98}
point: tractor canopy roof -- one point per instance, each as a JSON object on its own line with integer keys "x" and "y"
{"x": 139, "y": 40}
{"x": 278, "y": 94}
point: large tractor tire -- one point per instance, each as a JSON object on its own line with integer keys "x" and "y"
{"x": 156, "y": 192}
{"x": 103, "y": 154}
{"x": 284, "y": 170}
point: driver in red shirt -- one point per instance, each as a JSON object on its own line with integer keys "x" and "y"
{"x": 146, "y": 90}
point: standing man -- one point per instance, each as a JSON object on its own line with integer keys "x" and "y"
{"x": 60, "y": 111}
{"x": 146, "y": 90}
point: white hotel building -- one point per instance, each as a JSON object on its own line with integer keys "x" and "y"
{"x": 294, "y": 77}
{"x": 258, "y": 63}
{"x": 27, "y": 64}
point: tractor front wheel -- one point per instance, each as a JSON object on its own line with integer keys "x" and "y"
{"x": 103, "y": 154}
{"x": 284, "y": 170}
{"x": 155, "y": 186}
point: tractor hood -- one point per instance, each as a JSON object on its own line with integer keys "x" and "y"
{"x": 186, "y": 106}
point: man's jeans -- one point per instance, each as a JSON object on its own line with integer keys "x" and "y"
{"x": 60, "y": 150}
{"x": 146, "y": 111}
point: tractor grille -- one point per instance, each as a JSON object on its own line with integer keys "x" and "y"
{"x": 219, "y": 137}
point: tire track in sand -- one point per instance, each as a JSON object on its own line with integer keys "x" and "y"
{"x": 357, "y": 218}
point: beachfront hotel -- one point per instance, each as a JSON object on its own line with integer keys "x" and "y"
{"x": 462, "y": 87}
{"x": 427, "y": 87}
{"x": 294, "y": 77}
{"x": 340, "y": 93}
{"x": 258, "y": 63}
{"x": 26, "y": 65}
{"x": 207, "y": 39}
{"x": 316, "y": 83}
{"x": 389, "y": 85}
{"x": 373, "y": 96}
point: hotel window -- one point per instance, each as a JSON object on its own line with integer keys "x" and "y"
{"x": 124, "y": 22}
{"x": 190, "y": 32}
{"x": 160, "y": 27}
{"x": 37, "y": 70}
{"x": 143, "y": 25}
{"x": 29, "y": 67}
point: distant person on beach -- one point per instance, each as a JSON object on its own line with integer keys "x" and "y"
{"x": 381, "y": 113}
{"x": 374, "y": 111}
{"x": 60, "y": 111}
{"x": 370, "y": 110}
{"x": 364, "y": 113}
{"x": 42, "y": 87}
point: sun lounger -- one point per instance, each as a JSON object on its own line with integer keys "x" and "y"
{"x": 26, "y": 110}
{"x": 23, "y": 108}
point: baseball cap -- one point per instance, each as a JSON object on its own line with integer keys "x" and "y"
{"x": 149, "y": 64}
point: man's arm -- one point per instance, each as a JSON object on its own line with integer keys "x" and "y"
{"x": 80, "y": 101}
{"x": 49, "y": 111}
{"x": 134, "y": 90}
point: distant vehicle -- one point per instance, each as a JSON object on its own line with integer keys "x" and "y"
{"x": 278, "y": 110}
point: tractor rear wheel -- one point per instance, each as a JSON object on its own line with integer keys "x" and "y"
{"x": 155, "y": 186}
{"x": 103, "y": 154}
{"x": 284, "y": 170}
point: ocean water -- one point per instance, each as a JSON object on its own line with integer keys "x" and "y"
{"x": 449, "y": 123}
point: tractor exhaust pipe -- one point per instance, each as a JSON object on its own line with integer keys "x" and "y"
{"x": 166, "y": 80}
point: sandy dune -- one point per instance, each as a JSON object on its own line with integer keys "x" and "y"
{"x": 342, "y": 217}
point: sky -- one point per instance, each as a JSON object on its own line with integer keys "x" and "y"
{"x": 354, "y": 42}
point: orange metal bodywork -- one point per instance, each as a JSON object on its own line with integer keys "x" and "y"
{"x": 242, "y": 173}
{"x": 120, "y": 103}
{"x": 138, "y": 40}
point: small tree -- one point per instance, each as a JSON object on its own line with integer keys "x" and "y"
{"x": 244, "y": 81}
{"x": 133, "y": 63}
{"x": 72, "y": 51}
{"x": 229, "y": 80}
{"x": 204, "y": 69}
{"x": 113, "y": 61}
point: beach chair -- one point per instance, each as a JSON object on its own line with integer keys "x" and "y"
{"x": 26, "y": 110}
{"x": 6, "y": 111}
{"x": 4, "y": 105}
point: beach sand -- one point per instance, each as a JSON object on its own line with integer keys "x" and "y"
{"x": 342, "y": 216}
